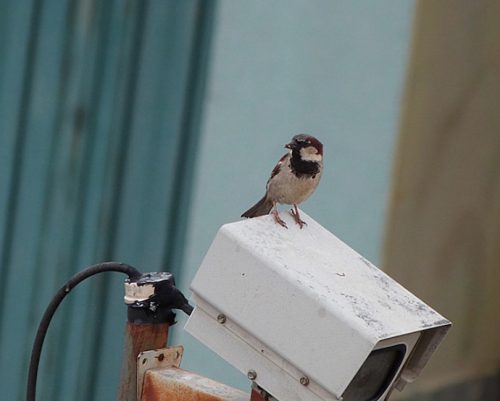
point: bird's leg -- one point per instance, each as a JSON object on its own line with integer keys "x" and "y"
{"x": 277, "y": 217}
{"x": 295, "y": 213}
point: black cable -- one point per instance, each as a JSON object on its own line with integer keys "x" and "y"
{"x": 132, "y": 273}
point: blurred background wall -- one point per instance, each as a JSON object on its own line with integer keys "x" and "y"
{"x": 443, "y": 230}
{"x": 98, "y": 119}
{"x": 334, "y": 69}
{"x": 131, "y": 130}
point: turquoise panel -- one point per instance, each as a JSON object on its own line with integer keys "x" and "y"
{"x": 99, "y": 105}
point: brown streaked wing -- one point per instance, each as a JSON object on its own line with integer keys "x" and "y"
{"x": 277, "y": 168}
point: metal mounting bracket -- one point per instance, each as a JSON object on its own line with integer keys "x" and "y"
{"x": 157, "y": 359}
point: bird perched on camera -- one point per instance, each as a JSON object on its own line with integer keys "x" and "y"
{"x": 293, "y": 180}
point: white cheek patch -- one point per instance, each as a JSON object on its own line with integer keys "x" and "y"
{"x": 310, "y": 154}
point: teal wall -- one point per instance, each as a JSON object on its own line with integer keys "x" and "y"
{"x": 334, "y": 69}
{"x": 99, "y": 104}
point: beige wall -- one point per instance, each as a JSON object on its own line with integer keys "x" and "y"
{"x": 443, "y": 232}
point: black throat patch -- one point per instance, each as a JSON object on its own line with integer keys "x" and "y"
{"x": 302, "y": 168}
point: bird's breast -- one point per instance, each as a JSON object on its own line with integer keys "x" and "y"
{"x": 287, "y": 188}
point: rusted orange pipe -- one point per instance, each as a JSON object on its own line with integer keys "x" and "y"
{"x": 256, "y": 395}
{"x": 174, "y": 384}
{"x": 138, "y": 338}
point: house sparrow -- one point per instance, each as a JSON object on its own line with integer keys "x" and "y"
{"x": 293, "y": 180}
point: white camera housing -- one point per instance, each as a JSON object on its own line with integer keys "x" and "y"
{"x": 306, "y": 317}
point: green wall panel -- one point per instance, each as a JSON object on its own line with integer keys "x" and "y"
{"x": 94, "y": 103}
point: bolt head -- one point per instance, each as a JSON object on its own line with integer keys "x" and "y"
{"x": 221, "y": 318}
{"x": 304, "y": 380}
{"x": 252, "y": 374}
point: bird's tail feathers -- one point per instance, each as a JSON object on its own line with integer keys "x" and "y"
{"x": 261, "y": 208}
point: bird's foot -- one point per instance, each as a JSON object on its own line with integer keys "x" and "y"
{"x": 296, "y": 217}
{"x": 278, "y": 219}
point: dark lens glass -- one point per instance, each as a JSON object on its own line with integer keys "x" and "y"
{"x": 376, "y": 374}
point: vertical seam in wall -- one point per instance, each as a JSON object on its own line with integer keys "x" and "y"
{"x": 19, "y": 147}
{"x": 92, "y": 104}
{"x": 4, "y": 15}
{"x": 102, "y": 288}
{"x": 190, "y": 135}
{"x": 50, "y": 184}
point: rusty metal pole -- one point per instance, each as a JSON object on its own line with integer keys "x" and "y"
{"x": 138, "y": 338}
{"x": 150, "y": 301}
{"x": 256, "y": 396}
{"x": 259, "y": 394}
{"x": 175, "y": 384}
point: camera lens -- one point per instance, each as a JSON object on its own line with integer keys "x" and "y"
{"x": 376, "y": 374}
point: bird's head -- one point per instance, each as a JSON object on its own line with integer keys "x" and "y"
{"x": 307, "y": 146}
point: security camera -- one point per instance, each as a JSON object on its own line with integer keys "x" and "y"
{"x": 306, "y": 317}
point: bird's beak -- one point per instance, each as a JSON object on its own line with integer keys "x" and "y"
{"x": 288, "y": 145}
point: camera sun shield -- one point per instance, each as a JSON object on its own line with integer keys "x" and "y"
{"x": 306, "y": 317}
